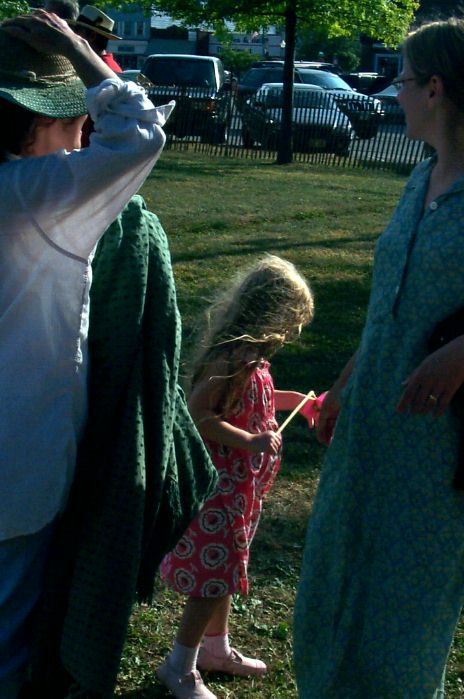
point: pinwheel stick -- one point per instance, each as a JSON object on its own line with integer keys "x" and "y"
{"x": 309, "y": 396}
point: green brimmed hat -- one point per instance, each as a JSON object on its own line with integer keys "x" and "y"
{"x": 45, "y": 84}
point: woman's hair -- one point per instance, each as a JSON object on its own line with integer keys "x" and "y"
{"x": 266, "y": 305}
{"x": 66, "y": 9}
{"x": 17, "y": 132}
{"x": 437, "y": 48}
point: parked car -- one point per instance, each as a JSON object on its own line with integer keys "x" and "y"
{"x": 392, "y": 110}
{"x": 317, "y": 124}
{"x": 130, "y": 74}
{"x": 320, "y": 65}
{"x": 198, "y": 85}
{"x": 253, "y": 78}
{"x": 361, "y": 81}
{"x": 364, "y": 112}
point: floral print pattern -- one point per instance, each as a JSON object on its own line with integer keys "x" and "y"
{"x": 211, "y": 558}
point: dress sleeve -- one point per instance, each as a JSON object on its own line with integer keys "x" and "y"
{"x": 72, "y": 197}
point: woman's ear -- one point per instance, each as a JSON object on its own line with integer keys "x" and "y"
{"x": 436, "y": 88}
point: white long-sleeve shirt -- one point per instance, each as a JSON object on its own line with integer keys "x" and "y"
{"x": 53, "y": 210}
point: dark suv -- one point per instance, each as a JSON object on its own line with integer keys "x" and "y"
{"x": 252, "y": 80}
{"x": 364, "y": 112}
{"x": 197, "y": 84}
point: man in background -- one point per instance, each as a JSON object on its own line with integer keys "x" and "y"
{"x": 97, "y": 27}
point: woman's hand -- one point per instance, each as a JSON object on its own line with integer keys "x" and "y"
{"x": 328, "y": 415}
{"x": 268, "y": 442}
{"x": 44, "y": 31}
{"x": 49, "y": 34}
{"x": 430, "y": 387}
{"x": 331, "y": 404}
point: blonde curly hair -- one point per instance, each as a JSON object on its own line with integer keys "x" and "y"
{"x": 266, "y": 305}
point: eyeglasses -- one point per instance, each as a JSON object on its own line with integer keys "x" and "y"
{"x": 398, "y": 83}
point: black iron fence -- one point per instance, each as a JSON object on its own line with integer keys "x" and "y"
{"x": 324, "y": 131}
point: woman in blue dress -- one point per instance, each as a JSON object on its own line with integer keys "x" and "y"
{"x": 382, "y": 580}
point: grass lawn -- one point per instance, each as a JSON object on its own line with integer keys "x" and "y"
{"x": 219, "y": 214}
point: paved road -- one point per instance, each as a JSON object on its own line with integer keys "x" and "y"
{"x": 390, "y": 144}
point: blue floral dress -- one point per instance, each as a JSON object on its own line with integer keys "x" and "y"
{"x": 382, "y": 579}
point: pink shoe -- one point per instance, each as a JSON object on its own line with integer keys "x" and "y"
{"x": 189, "y": 686}
{"x": 233, "y": 664}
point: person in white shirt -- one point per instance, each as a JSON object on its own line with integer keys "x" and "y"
{"x": 56, "y": 202}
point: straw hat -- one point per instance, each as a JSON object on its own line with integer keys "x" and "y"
{"x": 45, "y": 84}
{"x": 94, "y": 19}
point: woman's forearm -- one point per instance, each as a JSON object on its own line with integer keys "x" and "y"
{"x": 87, "y": 64}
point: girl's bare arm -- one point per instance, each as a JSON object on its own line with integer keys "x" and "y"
{"x": 203, "y": 406}
{"x": 288, "y": 400}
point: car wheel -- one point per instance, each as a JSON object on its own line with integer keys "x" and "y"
{"x": 247, "y": 139}
{"x": 214, "y": 134}
{"x": 220, "y": 134}
{"x": 269, "y": 141}
{"x": 343, "y": 151}
{"x": 366, "y": 131}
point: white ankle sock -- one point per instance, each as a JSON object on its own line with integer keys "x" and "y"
{"x": 183, "y": 659}
{"x": 217, "y": 645}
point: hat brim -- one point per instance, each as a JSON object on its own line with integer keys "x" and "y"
{"x": 61, "y": 101}
{"x": 92, "y": 28}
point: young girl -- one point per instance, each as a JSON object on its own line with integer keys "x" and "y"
{"x": 233, "y": 404}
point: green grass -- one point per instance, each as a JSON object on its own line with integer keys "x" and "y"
{"x": 220, "y": 214}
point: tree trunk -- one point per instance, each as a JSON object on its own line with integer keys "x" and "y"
{"x": 285, "y": 152}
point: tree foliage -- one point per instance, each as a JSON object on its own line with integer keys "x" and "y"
{"x": 343, "y": 50}
{"x": 237, "y": 61}
{"x": 386, "y": 20}
{"x": 12, "y": 8}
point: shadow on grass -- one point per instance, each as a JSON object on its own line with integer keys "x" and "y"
{"x": 189, "y": 167}
{"x": 263, "y": 245}
{"x": 149, "y": 691}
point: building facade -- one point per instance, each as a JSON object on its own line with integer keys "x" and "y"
{"x": 144, "y": 35}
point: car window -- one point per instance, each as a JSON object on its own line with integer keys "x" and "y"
{"x": 180, "y": 71}
{"x": 257, "y": 76}
{"x": 252, "y": 78}
{"x": 329, "y": 81}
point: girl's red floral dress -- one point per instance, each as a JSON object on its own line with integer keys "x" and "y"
{"x": 211, "y": 558}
